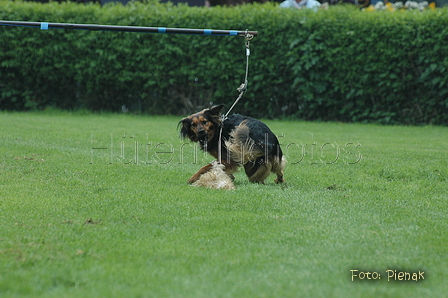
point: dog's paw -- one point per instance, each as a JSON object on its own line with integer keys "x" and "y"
{"x": 279, "y": 180}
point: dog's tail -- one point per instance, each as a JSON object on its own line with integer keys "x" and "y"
{"x": 242, "y": 147}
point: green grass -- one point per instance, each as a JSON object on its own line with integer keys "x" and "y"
{"x": 82, "y": 222}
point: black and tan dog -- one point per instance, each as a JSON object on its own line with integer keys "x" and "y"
{"x": 244, "y": 141}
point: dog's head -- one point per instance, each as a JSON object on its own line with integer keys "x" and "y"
{"x": 202, "y": 126}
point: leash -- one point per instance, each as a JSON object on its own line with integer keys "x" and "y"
{"x": 241, "y": 89}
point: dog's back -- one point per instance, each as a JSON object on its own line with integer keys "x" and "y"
{"x": 251, "y": 143}
{"x": 256, "y": 130}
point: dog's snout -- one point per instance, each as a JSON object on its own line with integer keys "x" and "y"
{"x": 202, "y": 132}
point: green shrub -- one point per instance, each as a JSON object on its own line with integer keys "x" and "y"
{"x": 339, "y": 64}
{"x": 378, "y": 66}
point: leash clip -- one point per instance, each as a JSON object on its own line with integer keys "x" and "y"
{"x": 242, "y": 87}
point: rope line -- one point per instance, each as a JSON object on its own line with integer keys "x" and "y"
{"x": 94, "y": 27}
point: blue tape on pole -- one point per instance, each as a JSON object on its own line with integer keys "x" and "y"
{"x": 207, "y": 31}
{"x": 43, "y": 26}
{"x": 233, "y": 33}
{"x": 162, "y": 30}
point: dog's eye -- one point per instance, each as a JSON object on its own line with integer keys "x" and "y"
{"x": 194, "y": 125}
{"x": 204, "y": 122}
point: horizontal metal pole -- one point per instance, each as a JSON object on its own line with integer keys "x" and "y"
{"x": 92, "y": 27}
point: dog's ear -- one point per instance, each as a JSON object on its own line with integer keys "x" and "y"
{"x": 185, "y": 124}
{"x": 215, "y": 110}
{"x": 185, "y": 131}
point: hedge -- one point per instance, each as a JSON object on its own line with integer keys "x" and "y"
{"x": 340, "y": 64}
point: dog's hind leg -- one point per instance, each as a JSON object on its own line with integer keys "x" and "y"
{"x": 258, "y": 171}
{"x": 250, "y": 168}
{"x": 278, "y": 165}
{"x": 198, "y": 174}
{"x": 229, "y": 168}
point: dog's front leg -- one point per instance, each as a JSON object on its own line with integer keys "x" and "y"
{"x": 230, "y": 168}
{"x": 201, "y": 171}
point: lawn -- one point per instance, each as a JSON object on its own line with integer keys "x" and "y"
{"x": 97, "y": 205}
